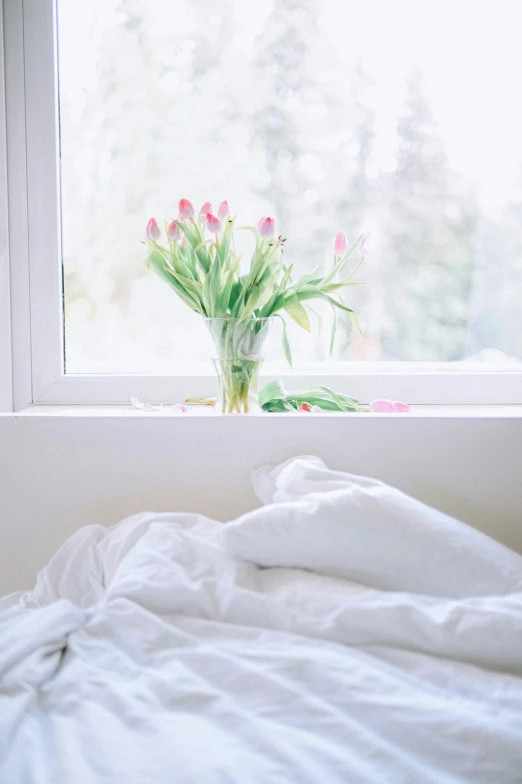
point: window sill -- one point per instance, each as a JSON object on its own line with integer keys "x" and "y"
{"x": 417, "y": 411}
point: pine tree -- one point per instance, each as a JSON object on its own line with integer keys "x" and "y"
{"x": 431, "y": 252}
{"x": 357, "y": 202}
{"x": 496, "y": 314}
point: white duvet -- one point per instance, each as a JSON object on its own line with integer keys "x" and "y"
{"x": 342, "y": 632}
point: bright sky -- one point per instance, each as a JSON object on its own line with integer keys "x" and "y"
{"x": 470, "y": 56}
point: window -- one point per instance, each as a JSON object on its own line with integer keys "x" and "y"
{"x": 380, "y": 117}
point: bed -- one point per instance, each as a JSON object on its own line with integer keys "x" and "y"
{"x": 341, "y": 632}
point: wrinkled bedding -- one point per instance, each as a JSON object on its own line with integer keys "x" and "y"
{"x": 342, "y": 632}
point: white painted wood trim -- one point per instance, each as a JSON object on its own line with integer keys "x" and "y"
{"x": 414, "y": 387}
{"x": 6, "y": 375}
{"x": 17, "y": 195}
{"x": 43, "y": 194}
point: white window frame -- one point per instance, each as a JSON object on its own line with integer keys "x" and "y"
{"x": 6, "y": 376}
{"x": 34, "y": 320}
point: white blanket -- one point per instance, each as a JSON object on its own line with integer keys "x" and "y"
{"x": 343, "y": 632}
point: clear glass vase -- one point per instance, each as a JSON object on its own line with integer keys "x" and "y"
{"x": 240, "y": 351}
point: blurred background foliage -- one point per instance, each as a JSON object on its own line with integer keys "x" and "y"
{"x": 259, "y": 103}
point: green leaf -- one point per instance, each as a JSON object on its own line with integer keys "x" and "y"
{"x": 286, "y": 344}
{"x": 193, "y": 286}
{"x": 235, "y": 292}
{"x": 335, "y": 398}
{"x": 215, "y": 282}
{"x": 310, "y": 278}
{"x": 334, "y": 330}
{"x": 276, "y": 300}
{"x": 252, "y": 298}
{"x": 355, "y": 322}
{"x": 293, "y": 307}
{"x": 157, "y": 265}
{"x": 211, "y": 286}
{"x": 318, "y": 317}
{"x": 194, "y": 238}
{"x": 224, "y": 240}
{"x": 274, "y": 390}
{"x": 224, "y": 299}
{"x": 331, "y": 287}
{"x": 273, "y": 397}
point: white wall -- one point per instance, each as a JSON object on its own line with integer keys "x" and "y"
{"x": 60, "y": 472}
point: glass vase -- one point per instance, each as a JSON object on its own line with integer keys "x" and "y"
{"x": 240, "y": 351}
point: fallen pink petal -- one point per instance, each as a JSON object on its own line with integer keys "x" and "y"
{"x": 401, "y": 407}
{"x": 135, "y": 403}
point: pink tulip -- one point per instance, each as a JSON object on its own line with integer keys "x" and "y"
{"x": 186, "y": 210}
{"x": 223, "y": 210}
{"x": 212, "y": 223}
{"x": 173, "y": 232}
{"x": 364, "y": 240}
{"x": 382, "y": 406}
{"x": 266, "y": 227}
{"x": 305, "y": 407}
{"x": 207, "y": 207}
{"x": 152, "y": 232}
{"x": 340, "y": 244}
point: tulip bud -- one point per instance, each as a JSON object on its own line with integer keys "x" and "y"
{"x": 173, "y": 232}
{"x": 305, "y": 408}
{"x": 152, "y": 232}
{"x": 212, "y": 223}
{"x": 223, "y": 210}
{"x": 364, "y": 240}
{"x": 340, "y": 244}
{"x": 186, "y": 210}
{"x": 207, "y": 207}
{"x": 266, "y": 227}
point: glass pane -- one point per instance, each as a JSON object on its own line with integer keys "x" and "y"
{"x": 400, "y": 119}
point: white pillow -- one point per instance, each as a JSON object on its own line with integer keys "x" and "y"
{"x": 360, "y": 529}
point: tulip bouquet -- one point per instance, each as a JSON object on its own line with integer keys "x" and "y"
{"x": 200, "y": 263}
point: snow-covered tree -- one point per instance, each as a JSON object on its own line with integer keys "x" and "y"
{"x": 430, "y": 252}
